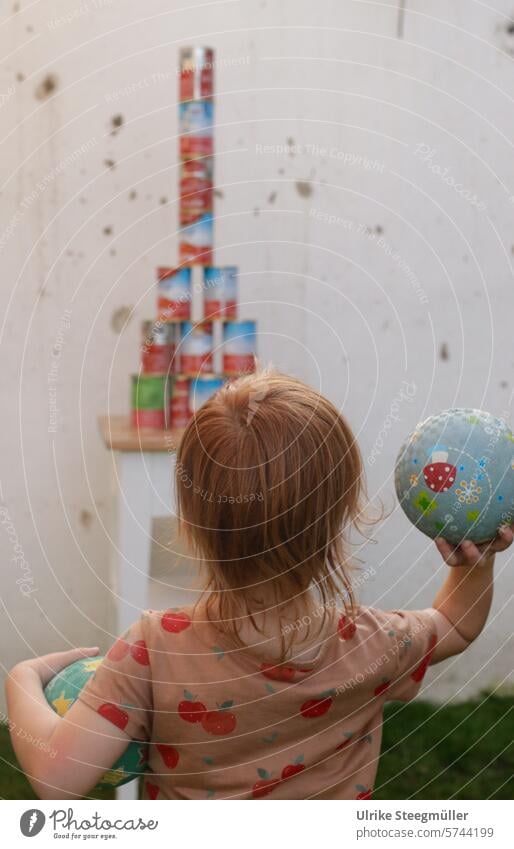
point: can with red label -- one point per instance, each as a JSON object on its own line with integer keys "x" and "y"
{"x": 196, "y": 190}
{"x": 174, "y": 293}
{"x": 149, "y": 400}
{"x": 179, "y": 402}
{"x": 196, "y": 73}
{"x": 195, "y": 349}
{"x": 239, "y": 347}
{"x": 158, "y": 347}
{"x": 196, "y": 242}
{"x": 196, "y": 119}
{"x": 201, "y": 389}
{"x": 220, "y": 292}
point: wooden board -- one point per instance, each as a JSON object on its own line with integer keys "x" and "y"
{"x": 118, "y": 435}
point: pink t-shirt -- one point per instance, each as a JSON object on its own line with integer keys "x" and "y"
{"x": 224, "y": 724}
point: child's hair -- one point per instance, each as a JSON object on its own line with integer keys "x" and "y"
{"x": 269, "y": 482}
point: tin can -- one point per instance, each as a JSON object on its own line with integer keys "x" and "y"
{"x": 239, "y": 347}
{"x": 149, "y": 400}
{"x": 174, "y": 293}
{"x": 201, "y": 389}
{"x": 196, "y": 118}
{"x": 220, "y": 292}
{"x": 158, "y": 347}
{"x": 196, "y": 242}
{"x": 195, "y": 349}
{"x": 196, "y": 73}
{"x": 179, "y": 414}
{"x": 196, "y": 190}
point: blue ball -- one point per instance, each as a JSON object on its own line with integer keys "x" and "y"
{"x": 454, "y": 475}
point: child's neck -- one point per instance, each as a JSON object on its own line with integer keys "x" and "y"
{"x": 297, "y": 624}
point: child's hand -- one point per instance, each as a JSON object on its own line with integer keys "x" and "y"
{"x": 49, "y": 665}
{"x": 469, "y": 554}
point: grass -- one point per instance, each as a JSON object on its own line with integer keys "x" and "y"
{"x": 463, "y": 751}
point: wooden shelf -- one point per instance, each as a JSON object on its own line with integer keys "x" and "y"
{"x": 119, "y": 435}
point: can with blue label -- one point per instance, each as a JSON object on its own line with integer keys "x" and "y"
{"x": 196, "y": 119}
{"x": 174, "y": 293}
{"x": 220, "y": 292}
{"x": 239, "y": 347}
{"x": 197, "y": 242}
{"x": 201, "y": 389}
{"x": 195, "y": 350}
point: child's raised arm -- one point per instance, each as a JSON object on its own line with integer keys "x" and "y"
{"x": 63, "y": 757}
{"x": 462, "y": 605}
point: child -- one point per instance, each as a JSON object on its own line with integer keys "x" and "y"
{"x": 273, "y": 685}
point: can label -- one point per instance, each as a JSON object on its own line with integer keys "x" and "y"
{"x": 196, "y": 243}
{"x": 202, "y": 389}
{"x": 196, "y": 73}
{"x": 195, "y": 349}
{"x": 196, "y": 190}
{"x": 179, "y": 403}
{"x": 239, "y": 347}
{"x": 158, "y": 347}
{"x": 220, "y": 292}
{"x": 157, "y": 359}
{"x": 148, "y": 391}
{"x": 196, "y": 129}
{"x": 174, "y": 293}
{"x": 148, "y": 419}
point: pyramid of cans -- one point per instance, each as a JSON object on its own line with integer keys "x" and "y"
{"x": 184, "y": 362}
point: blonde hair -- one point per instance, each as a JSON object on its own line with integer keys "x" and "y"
{"x": 269, "y": 483}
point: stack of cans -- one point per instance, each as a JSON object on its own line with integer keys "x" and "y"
{"x": 196, "y": 128}
{"x": 184, "y": 362}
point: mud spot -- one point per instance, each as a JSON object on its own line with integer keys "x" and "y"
{"x": 400, "y": 21}
{"x": 86, "y": 519}
{"x": 120, "y": 318}
{"x": 20, "y": 77}
{"x": 379, "y": 230}
{"x": 506, "y": 36}
{"x": 444, "y": 352}
{"x": 107, "y": 231}
{"x": 290, "y": 144}
{"x": 109, "y": 163}
{"x": 504, "y": 384}
{"x": 113, "y": 252}
{"x": 116, "y": 124}
{"x": 46, "y": 87}
{"x": 304, "y": 188}
{"x": 132, "y": 195}
{"x": 272, "y": 198}
{"x": 163, "y": 201}
{"x": 218, "y": 193}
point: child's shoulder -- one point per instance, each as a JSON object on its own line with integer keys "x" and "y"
{"x": 373, "y": 624}
{"x": 174, "y": 620}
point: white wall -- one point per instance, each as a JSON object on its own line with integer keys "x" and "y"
{"x": 335, "y": 299}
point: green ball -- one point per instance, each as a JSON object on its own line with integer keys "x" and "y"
{"x": 62, "y": 691}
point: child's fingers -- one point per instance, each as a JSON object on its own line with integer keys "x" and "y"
{"x": 504, "y": 538}
{"x": 447, "y": 552}
{"x": 475, "y": 554}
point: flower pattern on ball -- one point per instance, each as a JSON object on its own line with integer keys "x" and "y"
{"x": 468, "y": 493}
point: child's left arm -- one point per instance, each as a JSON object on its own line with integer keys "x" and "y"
{"x": 63, "y": 757}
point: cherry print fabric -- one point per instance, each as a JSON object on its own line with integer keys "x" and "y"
{"x": 223, "y": 723}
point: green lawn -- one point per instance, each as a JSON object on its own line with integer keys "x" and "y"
{"x": 465, "y": 751}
